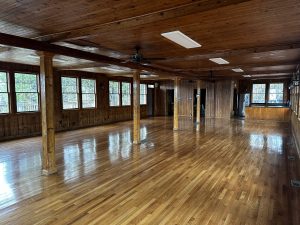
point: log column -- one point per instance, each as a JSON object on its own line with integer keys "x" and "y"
{"x": 136, "y": 107}
{"x": 47, "y": 110}
{"x": 198, "y": 105}
{"x": 176, "y": 103}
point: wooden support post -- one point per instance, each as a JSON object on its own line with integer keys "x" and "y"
{"x": 136, "y": 108}
{"x": 198, "y": 104}
{"x": 47, "y": 110}
{"x": 176, "y": 103}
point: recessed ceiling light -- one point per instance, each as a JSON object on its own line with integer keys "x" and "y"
{"x": 246, "y": 75}
{"x": 238, "y": 70}
{"x": 181, "y": 39}
{"x": 219, "y": 61}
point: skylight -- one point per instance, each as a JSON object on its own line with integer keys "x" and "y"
{"x": 181, "y": 39}
{"x": 219, "y": 61}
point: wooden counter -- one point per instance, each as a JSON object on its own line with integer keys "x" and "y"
{"x": 268, "y": 113}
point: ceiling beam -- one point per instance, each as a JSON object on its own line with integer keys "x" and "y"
{"x": 21, "y": 42}
{"x": 243, "y": 66}
{"x": 152, "y": 17}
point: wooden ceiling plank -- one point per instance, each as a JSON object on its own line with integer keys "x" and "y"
{"x": 175, "y": 12}
{"x": 27, "y": 43}
{"x": 244, "y": 66}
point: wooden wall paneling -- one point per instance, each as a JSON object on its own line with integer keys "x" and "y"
{"x": 210, "y": 100}
{"x": 268, "y": 113}
{"x": 186, "y": 97}
{"x": 224, "y": 99}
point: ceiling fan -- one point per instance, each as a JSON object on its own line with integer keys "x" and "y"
{"x": 138, "y": 57}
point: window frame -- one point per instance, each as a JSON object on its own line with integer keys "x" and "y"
{"x": 95, "y": 92}
{"x": 77, "y": 92}
{"x": 38, "y": 82}
{"x": 119, "y": 93}
{"x": 130, "y": 93}
{"x": 142, "y": 94}
{"x": 265, "y": 95}
{"x": 269, "y": 93}
{"x": 8, "y": 91}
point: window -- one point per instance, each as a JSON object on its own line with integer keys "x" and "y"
{"x": 276, "y": 93}
{"x": 247, "y": 99}
{"x": 27, "y": 92}
{"x": 114, "y": 93}
{"x": 126, "y": 94}
{"x": 69, "y": 89}
{"x": 259, "y": 93}
{"x": 4, "y": 95}
{"x": 143, "y": 94}
{"x": 88, "y": 91}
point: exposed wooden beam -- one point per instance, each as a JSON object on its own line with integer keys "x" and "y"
{"x": 81, "y": 66}
{"x": 234, "y": 52}
{"x": 136, "y": 107}
{"x": 47, "y": 108}
{"x": 163, "y": 14}
{"x": 244, "y": 66}
{"x": 27, "y": 43}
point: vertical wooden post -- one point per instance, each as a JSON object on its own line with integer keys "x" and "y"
{"x": 198, "y": 104}
{"x": 47, "y": 110}
{"x": 176, "y": 104}
{"x": 136, "y": 107}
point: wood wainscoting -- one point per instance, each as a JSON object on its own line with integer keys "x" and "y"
{"x": 268, "y": 113}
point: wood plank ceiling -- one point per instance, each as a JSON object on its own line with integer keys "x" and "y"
{"x": 261, "y": 37}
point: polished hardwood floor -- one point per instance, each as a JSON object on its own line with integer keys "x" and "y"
{"x": 231, "y": 172}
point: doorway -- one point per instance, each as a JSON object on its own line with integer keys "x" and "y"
{"x": 150, "y": 105}
{"x": 202, "y": 102}
{"x": 170, "y": 102}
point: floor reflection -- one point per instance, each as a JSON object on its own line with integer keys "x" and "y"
{"x": 257, "y": 141}
{"x": 6, "y": 193}
{"x": 274, "y": 143}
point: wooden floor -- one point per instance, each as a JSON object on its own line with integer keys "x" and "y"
{"x": 231, "y": 172}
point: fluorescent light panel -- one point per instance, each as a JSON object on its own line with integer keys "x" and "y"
{"x": 181, "y": 39}
{"x": 219, "y": 61}
{"x": 246, "y": 75}
{"x": 238, "y": 70}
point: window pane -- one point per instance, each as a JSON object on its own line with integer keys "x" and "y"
{"x": 258, "y": 93}
{"x": 3, "y": 82}
{"x": 247, "y": 99}
{"x": 27, "y": 95}
{"x": 114, "y": 99}
{"x": 114, "y": 93}
{"x": 70, "y": 101}
{"x": 276, "y": 93}
{"x": 88, "y": 101}
{"x": 143, "y": 94}
{"x": 27, "y": 102}
{"x": 113, "y": 87}
{"x": 26, "y": 82}
{"x": 69, "y": 84}
{"x": 4, "y": 103}
{"x": 126, "y": 94}
{"x": 69, "y": 92}
{"x": 88, "y": 86}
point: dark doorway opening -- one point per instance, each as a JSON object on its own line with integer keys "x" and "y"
{"x": 235, "y": 102}
{"x": 150, "y": 105}
{"x": 170, "y": 102}
{"x": 202, "y": 102}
